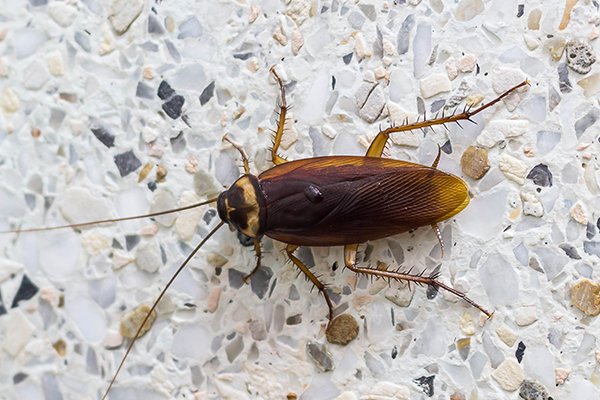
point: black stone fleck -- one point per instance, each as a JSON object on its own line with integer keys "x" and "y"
{"x": 259, "y": 282}
{"x": 347, "y": 58}
{"x": 236, "y": 278}
{"x": 144, "y": 91}
{"x": 207, "y": 93}
{"x": 209, "y": 215}
{"x": 104, "y": 136}
{"x": 242, "y": 56}
{"x": 173, "y": 106}
{"x": 520, "y": 10}
{"x": 294, "y": 319}
{"x": 570, "y": 251}
{"x": 152, "y": 186}
{"x": 426, "y": 384}
{"x": 531, "y": 390}
{"x": 563, "y": 79}
{"x": 333, "y": 81}
{"x": 127, "y": 163}
{"x": 2, "y": 308}
{"x": 394, "y": 352}
{"x": 541, "y": 175}
{"x": 245, "y": 241}
{"x": 598, "y": 224}
{"x": 590, "y": 230}
{"x": 131, "y": 241}
{"x": 431, "y": 292}
{"x": 520, "y": 351}
{"x": 447, "y": 147}
{"x": 26, "y": 291}
{"x": 165, "y": 90}
{"x": 19, "y": 377}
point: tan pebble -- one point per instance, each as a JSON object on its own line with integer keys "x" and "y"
{"x": 569, "y": 4}
{"x": 10, "y": 101}
{"x": 148, "y": 230}
{"x": 533, "y": 20}
{"x": 279, "y": 36}
{"x": 561, "y": 375}
{"x": 252, "y": 64}
{"x": 49, "y": 294}
{"x": 161, "y": 173}
{"x": 388, "y": 48}
{"x": 191, "y": 164}
{"x": 556, "y": 47}
{"x": 212, "y": 302}
{"x": 585, "y": 295}
{"x": 474, "y": 100}
{"x": 597, "y": 356}
{"x": 594, "y": 33}
{"x": 457, "y": 396}
{"x": 578, "y": 213}
{"x": 132, "y": 321}
{"x": 291, "y": 396}
{"x": 36, "y": 133}
{"x": 121, "y": 259}
{"x": 94, "y": 242}
{"x": 4, "y": 67}
{"x": 513, "y": 168}
{"x": 342, "y": 330}
{"x": 529, "y": 151}
{"x": 360, "y": 46}
{"x": 55, "y": 63}
{"x": 148, "y": 73}
{"x": 474, "y": 162}
{"x": 216, "y": 260}
{"x": 297, "y": 41}
{"x": 3, "y": 33}
{"x": 380, "y": 72}
{"x": 170, "y": 24}
{"x": 60, "y": 346}
{"x": 254, "y": 13}
{"x": 509, "y": 375}
{"x": 145, "y": 171}
{"x": 590, "y": 85}
{"x": 467, "y": 325}
{"x": 507, "y": 335}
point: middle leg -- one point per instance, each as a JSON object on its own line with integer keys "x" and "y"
{"x": 350, "y": 263}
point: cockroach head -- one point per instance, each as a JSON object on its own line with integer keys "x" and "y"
{"x": 242, "y": 206}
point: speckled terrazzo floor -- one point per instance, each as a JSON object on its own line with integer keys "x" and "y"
{"x": 114, "y": 108}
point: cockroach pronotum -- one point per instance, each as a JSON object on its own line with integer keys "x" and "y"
{"x": 333, "y": 201}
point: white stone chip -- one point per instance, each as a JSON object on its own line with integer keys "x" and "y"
{"x": 18, "y": 332}
{"x": 503, "y": 80}
{"x": 361, "y": 47}
{"x": 531, "y": 204}
{"x": 187, "y": 221}
{"x": 526, "y": 316}
{"x": 498, "y": 130}
{"x": 78, "y": 204}
{"x": 163, "y": 200}
{"x": 507, "y": 335}
{"x": 8, "y": 268}
{"x": 434, "y": 84}
{"x": 509, "y": 375}
{"x": 10, "y": 101}
{"x": 148, "y": 257}
{"x": 123, "y": 13}
{"x": 388, "y": 391}
{"x": 95, "y": 242}
{"x": 55, "y": 63}
{"x": 466, "y": 10}
{"x": 451, "y": 68}
{"x": 467, "y": 63}
{"x": 35, "y": 76}
{"x": 513, "y": 168}
{"x": 62, "y": 13}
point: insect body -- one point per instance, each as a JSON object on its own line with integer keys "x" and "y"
{"x": 335, "y": 201}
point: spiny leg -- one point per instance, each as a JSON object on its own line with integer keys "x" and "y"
{"x": 378, "y": 144}
{"x": 258, "y": 251}
{"x": 437, "y": 158}
{"x": 350, "y": 263}
{"x": 242, "y": 152}
{"x": 290, "y": 248}
{"x": 280, "y": 122}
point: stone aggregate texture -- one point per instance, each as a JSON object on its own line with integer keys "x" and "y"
{"x": 116, "y": 108}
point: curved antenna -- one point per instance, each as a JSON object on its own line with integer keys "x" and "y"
{"x": 107, "y": 221}
{"x": 160, "y": 296}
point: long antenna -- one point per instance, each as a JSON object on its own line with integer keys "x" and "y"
{"x": 108, "y": 221}
{"x": 160, "y": 296}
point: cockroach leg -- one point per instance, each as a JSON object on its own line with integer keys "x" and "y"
{"x": 242, "y": 152}
{"x": 437, "y": 158}
{"x": 258, "y": 251}
{"x": 277, "y": 159}
{"x": 350, "y": 261}
{"x": 378, "y": 144}
{"x": 436, "y": 229}
{"x": 290, "y": 248}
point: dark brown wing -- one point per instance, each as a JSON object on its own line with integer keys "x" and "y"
{"x": 337, "y": 200}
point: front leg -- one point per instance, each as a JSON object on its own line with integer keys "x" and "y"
{"x": 258, "y": 251}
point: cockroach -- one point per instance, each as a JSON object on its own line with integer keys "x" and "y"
{"x": 333, "y": 201}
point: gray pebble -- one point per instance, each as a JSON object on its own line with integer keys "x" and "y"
{"x": 564, "y": 84}
{"x": 540, "y": 175}
{"x": 207, "y": 93}
{"x": 127, "y": 163}
{"x": 533, "y": 391}
{"x": 404, "y": 34}
{"x": 319, "y": 354}
{"x": 259, "y": 282}
{"x": 592, "y": 248}
{"x": 580, "y": 56}
{"x": 570, "y": 251}
{"x": 583, "y": 123}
